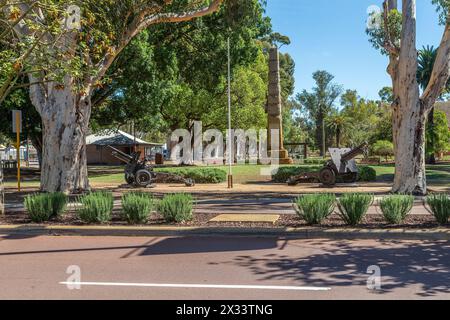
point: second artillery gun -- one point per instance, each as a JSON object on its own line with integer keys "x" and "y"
{"x": 140, "y": 173}
{"x": 342, "y": 165}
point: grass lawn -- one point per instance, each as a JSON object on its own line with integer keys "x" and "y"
{"x": 436, "y": 175}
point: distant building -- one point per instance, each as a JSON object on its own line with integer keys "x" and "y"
{"x": 98, "y": 153}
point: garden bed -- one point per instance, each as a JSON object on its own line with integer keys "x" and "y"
{"x": 370, "y": 221}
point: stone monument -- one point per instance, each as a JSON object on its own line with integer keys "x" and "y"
{"x": 273, "y": 108}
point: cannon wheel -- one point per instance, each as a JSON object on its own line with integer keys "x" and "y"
{"x": 350, "y": 177}
{"x": 189, "y": 182}
{"x": 143, "y": 178}
{"x": 327, "y": 177}
{"x": 129, "y": 178}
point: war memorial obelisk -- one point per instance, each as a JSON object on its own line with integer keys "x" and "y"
{"x": 273, "y": 108}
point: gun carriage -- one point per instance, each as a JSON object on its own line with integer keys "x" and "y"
{"x": 342, "y": 165}
{"x": 141, "y": 174}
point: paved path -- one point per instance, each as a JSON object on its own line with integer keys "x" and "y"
{"x": 221, "y": 268}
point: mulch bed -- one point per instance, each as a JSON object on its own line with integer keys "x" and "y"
{"x": 370, "y": 221}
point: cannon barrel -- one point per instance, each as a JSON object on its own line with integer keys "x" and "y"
{"x": 355, "y": 152}
{"x": 122, "y": 156}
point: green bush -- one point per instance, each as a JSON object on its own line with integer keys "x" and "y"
{"x": 42, "y": 207}
{"x": 136, "y": 207}
{"x": 199, "y": 175}
{"x": 96, "y": 207}
{"x": 440, "y": 206}
{"x": 314, "y": 208}
{"x": 284, "y": 173}
{"x": 383, "y": 148}
{"x": 395, "y": 208}
{"x": 354, "y": 206}
{"x": 177, "y": 207}
{"x": 367, "y": 174}
{"x": 318, "y": 161}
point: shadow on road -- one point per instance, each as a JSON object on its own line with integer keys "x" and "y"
{"x": 426, "y": 264}
{"x": 208, "y": 245}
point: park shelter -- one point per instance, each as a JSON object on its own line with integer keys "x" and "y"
{"x": 98, "y": 153}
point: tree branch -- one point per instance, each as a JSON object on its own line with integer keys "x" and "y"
{"x": 143, "y": 21}
{"x": 440, "y": 73}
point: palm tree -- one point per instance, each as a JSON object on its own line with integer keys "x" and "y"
{"x": 338, "y": 123}
{"x": 427, "y": 57}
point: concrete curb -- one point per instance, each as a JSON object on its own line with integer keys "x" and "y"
{"x": 291, "y": 233}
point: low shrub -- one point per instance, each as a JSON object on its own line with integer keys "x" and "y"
{"x": 318, "y": 161}
{"x": 199, "y": 175}
{"x": 176, "y": 207}
{"x": 284, "y": 173}
{"x": 354, "y": 206}
{"x": 42, "y": 207}
{"x": 367, "y": 174}
{"x": 440, "y": 207}
{"x": 96, "y": 207}
{"x": 136, "y": 207}
{"x": 314, "y": 208}
{"x": 395, "y": 208}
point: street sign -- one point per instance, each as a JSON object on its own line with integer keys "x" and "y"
{"x": 17, "y": 115}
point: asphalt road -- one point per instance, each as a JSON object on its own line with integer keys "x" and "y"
{"x": 220, "y": 268}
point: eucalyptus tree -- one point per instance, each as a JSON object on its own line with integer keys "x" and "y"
{"x": 319, "y": 103}
{"x": 395, "y": 36}
{"x": 103, "y": 30}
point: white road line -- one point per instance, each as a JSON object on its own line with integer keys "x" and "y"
{"x": 201, "y": 286}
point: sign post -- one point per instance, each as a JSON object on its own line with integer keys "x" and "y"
{"x": 17, "y": 128}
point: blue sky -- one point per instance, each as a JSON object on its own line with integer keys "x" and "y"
{"x": 330, "y": 35}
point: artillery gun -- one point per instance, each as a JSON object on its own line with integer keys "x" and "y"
{"x": 342, "y": 165}
{"x": 141, "y": 174}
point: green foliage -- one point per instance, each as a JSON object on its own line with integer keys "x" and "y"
{"x": 314, "y": 208}
{"x": 137, "y": 207}
{"x": 364, "y": 117}
{"x": 96, "y": 207}
{"x": 42, "y": 207}
{"x": 319, "y": 161}
{"x": 383, "y": 148}
{"x": 319, "y": 103}
{"x": 200, "y": 175}
{"x": 284, "y": 173}
{"x": 354, "y": 206}
{"x": 440, "y": 206}
{"x": 177, "y": 207}
{"x": 178, "y": 67}
{"x": 378, "y": 37}
{"x": 367, "y": 174}
{"x": 442, "y": 8}
{"x": 438, "y": 135}
{"x": 395, "y": 208}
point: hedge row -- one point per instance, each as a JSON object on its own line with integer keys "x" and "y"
{"x": 97, "y": 207}
{"x": 366, "y": 174}
{"x": 315, "y": 208}
{"x": 199, "y": 175}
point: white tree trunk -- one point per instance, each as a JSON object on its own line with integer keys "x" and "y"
{"x": 409, "y": 140}
{"x": 410, "y": 111}
{"x": 65, "y": 118}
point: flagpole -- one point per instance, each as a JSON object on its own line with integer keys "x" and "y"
{"x": 230, "y": 135}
